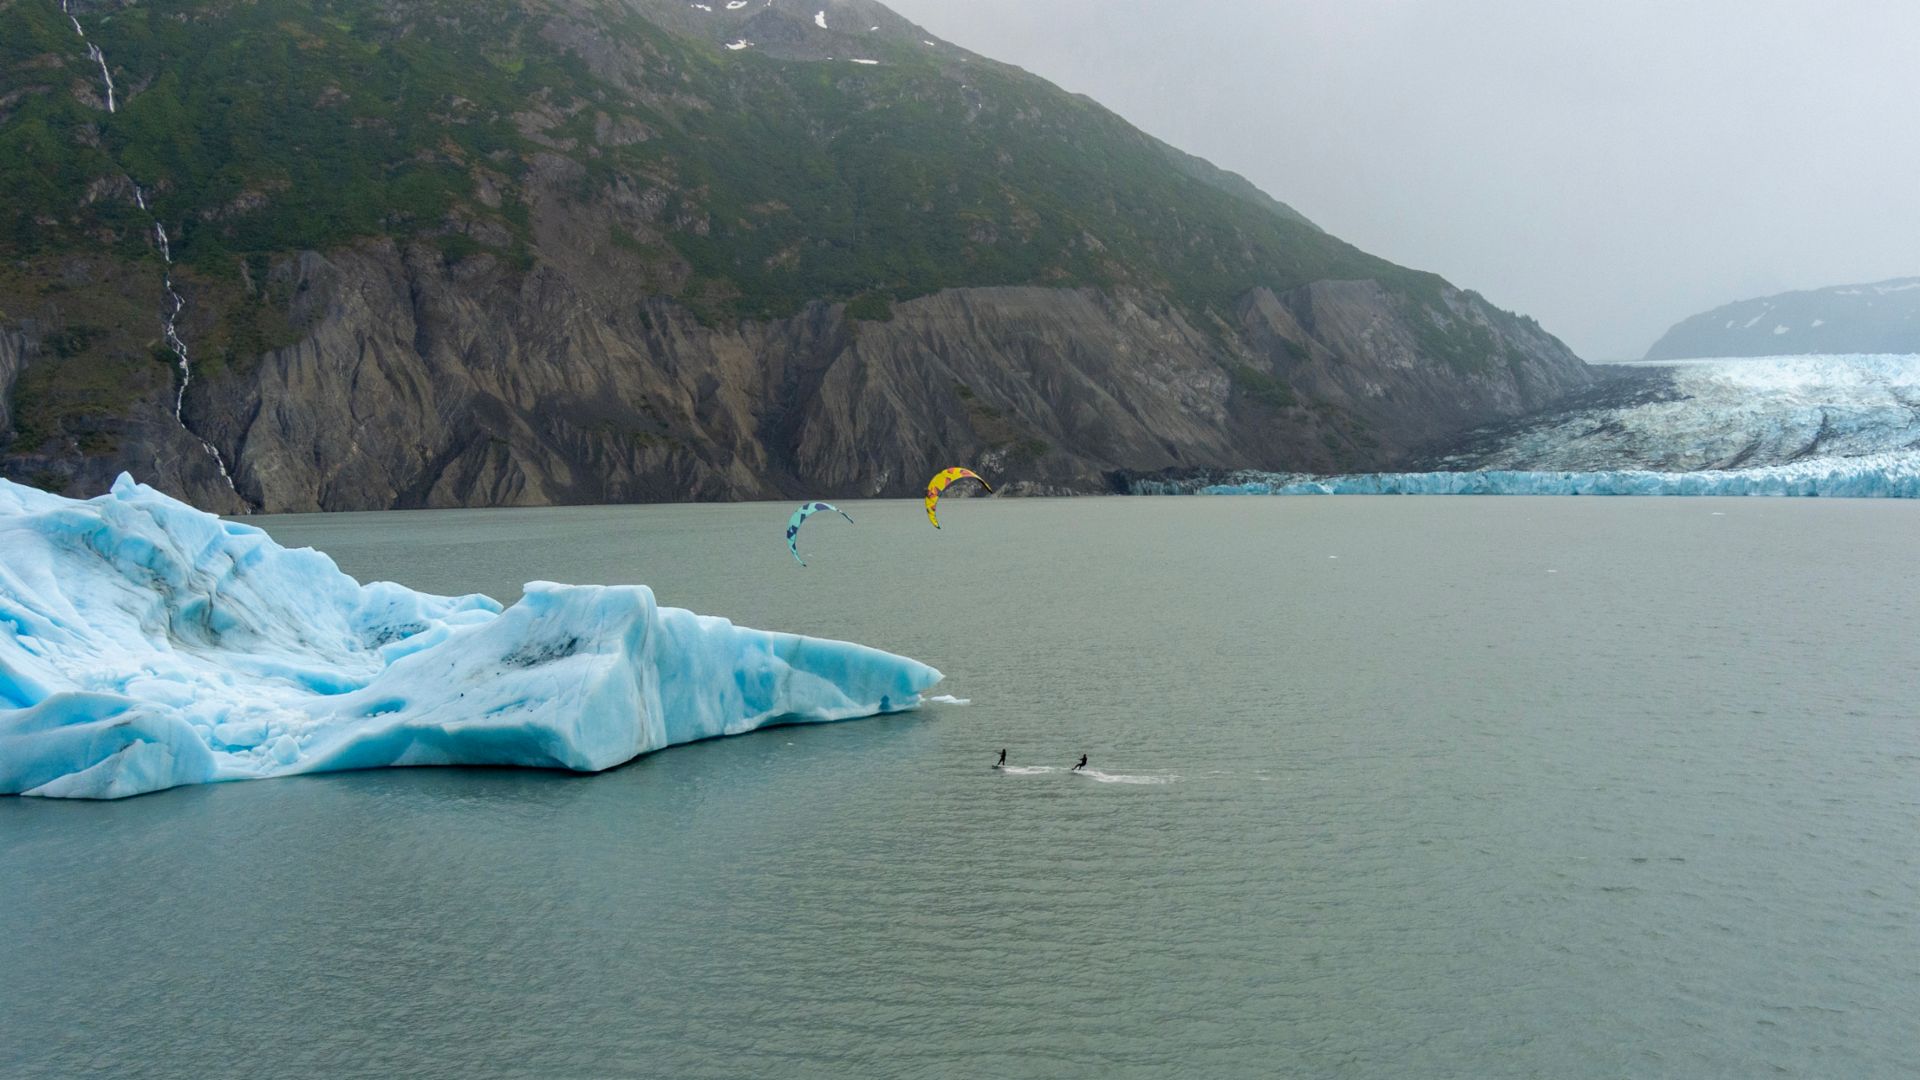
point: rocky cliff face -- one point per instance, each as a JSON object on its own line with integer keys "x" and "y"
{"x": 416, "y": 384}
{"x": 1411, "y": 369}
{"x": 13, "y": 357}
{"x": 616, "y": 259}
{"x": 122, "y": 409}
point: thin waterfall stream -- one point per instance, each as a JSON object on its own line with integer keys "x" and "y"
{"x": 174, "y": 304}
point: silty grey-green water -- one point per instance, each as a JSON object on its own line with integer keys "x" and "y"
{"x": 1380, "y": 788}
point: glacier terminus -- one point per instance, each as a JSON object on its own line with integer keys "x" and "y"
{"x": 1840, "y": 426}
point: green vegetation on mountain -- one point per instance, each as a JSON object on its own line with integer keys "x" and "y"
{"x": 605, "y": 190}
{"x": 281, "y": 125}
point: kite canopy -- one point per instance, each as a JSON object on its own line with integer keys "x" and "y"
{"x": 939, "y": 484}
{"x": 800, "y": 516}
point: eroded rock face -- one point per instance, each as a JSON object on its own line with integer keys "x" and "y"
{"x": 1357, "y": 347}
{"x": 420, "y": 385}
{"x": 13, "y": 356}
{"x": 415, "y": 383}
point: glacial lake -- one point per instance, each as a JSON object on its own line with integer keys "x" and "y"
{"x": 1386, "y": 787}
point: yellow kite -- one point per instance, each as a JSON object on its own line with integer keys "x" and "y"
{"x": 939, "y": 484}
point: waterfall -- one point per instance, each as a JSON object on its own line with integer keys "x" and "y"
{"x": 93, "y": 51}
{"x": 175, "y": 305}
{"x": 170, "y": 332}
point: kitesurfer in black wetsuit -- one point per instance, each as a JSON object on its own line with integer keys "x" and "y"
{"x": 1002, "y": 763}
{"x": 1082, "y": 765}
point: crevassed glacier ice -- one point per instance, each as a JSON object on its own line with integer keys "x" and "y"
{"x": 1835, "y": 426}
{"x": 1727, "y": 414}
{"x": 1883, "y": 476}
{"x": 145, "y": 644}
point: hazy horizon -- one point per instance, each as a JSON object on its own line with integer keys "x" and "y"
{"x": 1609, "y": 168}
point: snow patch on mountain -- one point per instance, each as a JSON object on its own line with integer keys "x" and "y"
{"x": 1872, "y": 318}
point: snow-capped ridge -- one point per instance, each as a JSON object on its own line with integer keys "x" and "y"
{"x": 1864, "y": 318}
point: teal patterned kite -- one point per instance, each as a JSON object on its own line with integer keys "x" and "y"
{"x": 802, "y": 514}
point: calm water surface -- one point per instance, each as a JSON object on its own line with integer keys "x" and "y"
{"x": 1388, "y": 788}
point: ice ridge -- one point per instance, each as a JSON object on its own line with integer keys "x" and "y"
{"x": 1838, "y": 426}
{"x": 1893, "y": 475}
{"x": 145, "y": 644}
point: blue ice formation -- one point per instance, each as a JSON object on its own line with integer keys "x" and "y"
{"x": 1725, "y": 415}
{"x": 1832, "y": 426}
{"x": 1881, "y": 476}
{"x": 145, "y": 644}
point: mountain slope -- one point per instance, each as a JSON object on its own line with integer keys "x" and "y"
{"x": 438, "y": 253}
{"x": 1879, "y": 318}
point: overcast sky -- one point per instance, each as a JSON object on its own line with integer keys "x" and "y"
{"x": 1607, "y": 166}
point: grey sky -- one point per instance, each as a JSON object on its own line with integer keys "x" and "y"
{"x": 1607, "y": 166}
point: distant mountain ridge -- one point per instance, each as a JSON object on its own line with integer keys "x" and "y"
{"x": 487, "y": 252}
{"x": 1882, "y": 317}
